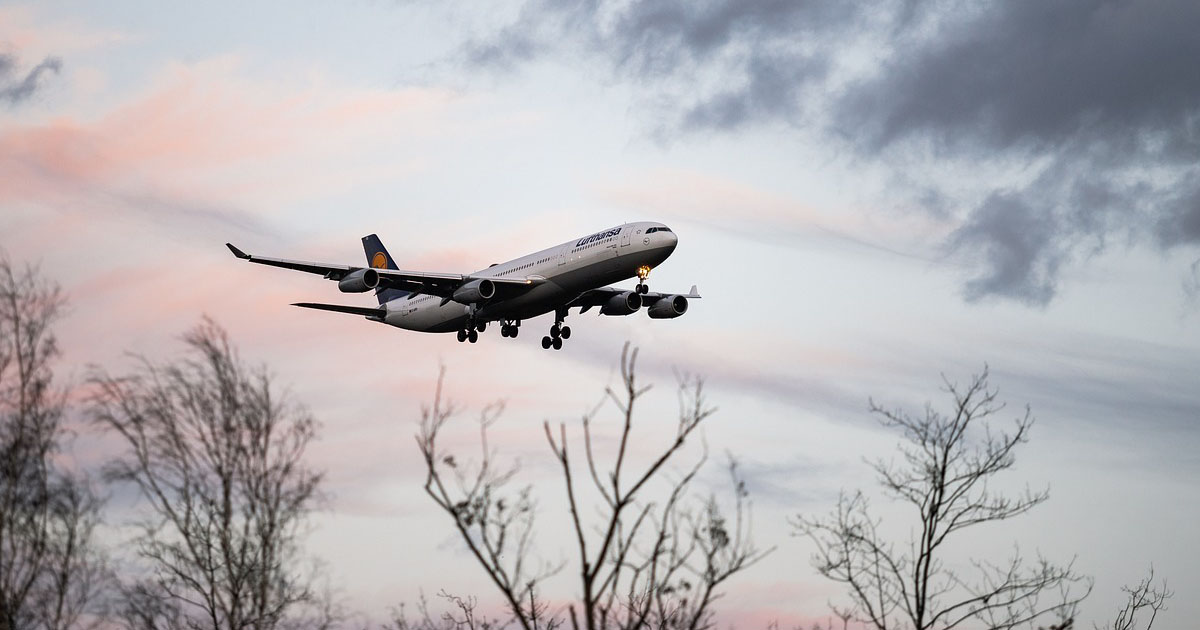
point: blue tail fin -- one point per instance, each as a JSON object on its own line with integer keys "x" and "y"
{"x": 379, "y": 258}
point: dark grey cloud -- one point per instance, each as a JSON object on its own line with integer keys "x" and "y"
{"x": 1180, "y": 221}
{"x": 718, "y": 64}
{"x": 1191, "y": 284}
{"x": 771, "y": 90}
{"x": 15, "y": 89}
{"x": 1012, "y": 240}
{"x": 1016, "y": 239}
{"x": 1105, "y": 95}
{"x": 1038, "y": 75}
{"x": 1100, "y": 99}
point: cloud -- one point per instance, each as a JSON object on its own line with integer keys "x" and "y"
{"x": 37, "y": 31}
{"x": 15, "y": 90}
{"x": 710, "y": 65}
{"x": 1100, "y": 100}
{"x": 1013, "y": 240}
{"x": 1078, "y": 118}
{"x": 1191, "y": 284}
{"x": 180, "y": 151}
{"x": 762, "y": 215}
{"x": 1180, "y": 220}
{"x": 1037, "y": 75}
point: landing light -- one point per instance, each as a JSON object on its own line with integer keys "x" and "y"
{"x": 643, "y": 271}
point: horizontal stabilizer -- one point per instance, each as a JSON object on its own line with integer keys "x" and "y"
{"x": 352, "y": 310}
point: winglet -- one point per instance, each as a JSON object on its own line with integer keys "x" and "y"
{"x": 693, "y": 293}
{"x": 237, "y": 252}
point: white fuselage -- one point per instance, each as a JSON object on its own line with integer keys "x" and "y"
{"x": 563, "y": 272}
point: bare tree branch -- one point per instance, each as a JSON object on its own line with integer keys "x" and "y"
{"x": 495, "y": 524}
{"x": 947, "y": 462}
{"x": 218, "y": 457}
{"x": 641, "y": 562}
{"x": 1144, "y": 602}
{"x": 52, "y": 574}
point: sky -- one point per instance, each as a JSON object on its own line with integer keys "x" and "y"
{"x": 867, "y": 198}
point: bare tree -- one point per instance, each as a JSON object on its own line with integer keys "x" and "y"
{"x": 643, "y": 561}
{"x": 843, "y": 614}
{"x": 463, "y": 615}
{"x": 947, "y": 464}
{"x": 51, "y": 571}
{"x": 217, "y": 454}
{"x": 143, "y": 606}
{"x": 1145, "y": 601}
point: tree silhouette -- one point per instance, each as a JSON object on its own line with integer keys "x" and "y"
{"x": 947, "y": 463}
{"x": 1144, "y": 601}
{"x": 52, "y": 573}
{"x": 643, "y": 560}
{"x": 217, "y": 454}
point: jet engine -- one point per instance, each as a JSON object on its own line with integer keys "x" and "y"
{"x": 359, "y": 281}
{"x": 668, "y": 306}
{"x": 626, "y": 303}
{"x": 475, "y": 291}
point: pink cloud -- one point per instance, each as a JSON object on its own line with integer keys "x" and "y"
{"x": 200, "y": 127}
{"x": 27, "y": 32}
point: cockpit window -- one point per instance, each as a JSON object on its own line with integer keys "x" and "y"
{"x": 658, "y": 229}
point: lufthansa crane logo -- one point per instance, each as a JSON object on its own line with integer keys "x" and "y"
{"x": 379, "y": 261}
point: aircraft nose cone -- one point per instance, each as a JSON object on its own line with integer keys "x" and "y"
{"x": 672, "y": 240}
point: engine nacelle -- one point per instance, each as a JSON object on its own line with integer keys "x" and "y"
{"x": 359, "y": 281}
{"x": 668, "y": 306}
{"x": 475, "y": 291}
{"x": 626, "y": 303}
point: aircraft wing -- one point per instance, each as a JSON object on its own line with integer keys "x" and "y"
{"x": 440, "y": 284}
{"x": 333, "y": 272}
{"x": 597, "y": 297}
{"x": 378, "y": 312}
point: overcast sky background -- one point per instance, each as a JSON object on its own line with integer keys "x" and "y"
{"x": 866, "y": 198}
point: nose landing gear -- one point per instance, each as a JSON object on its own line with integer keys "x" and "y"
{"x": 643, "y": 272}
{"x": 510, "y": 328}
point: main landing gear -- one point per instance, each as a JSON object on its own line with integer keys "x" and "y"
{"x": 558, "y": 332}
{"x": 510, "y": 327}
{"x": 643, "y": 272}
{"x": 471, "y": 332}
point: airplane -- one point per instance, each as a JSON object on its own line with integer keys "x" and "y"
{"x": 572, "y": 274}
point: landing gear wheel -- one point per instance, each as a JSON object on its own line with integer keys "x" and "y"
{"x": 482, "y": 326}
{"x": 557, "y": 343}
{"x": 643, "y": 289}
{"x": 513, "y": 330}
{"x": 473, "y": 336}
{"x": 503, "y": 331}
{"x": 546, "y": 341}
{"x": 565, "y": 332}
{"x": 462, "y": 336}
{"x": 555, "y": 331}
